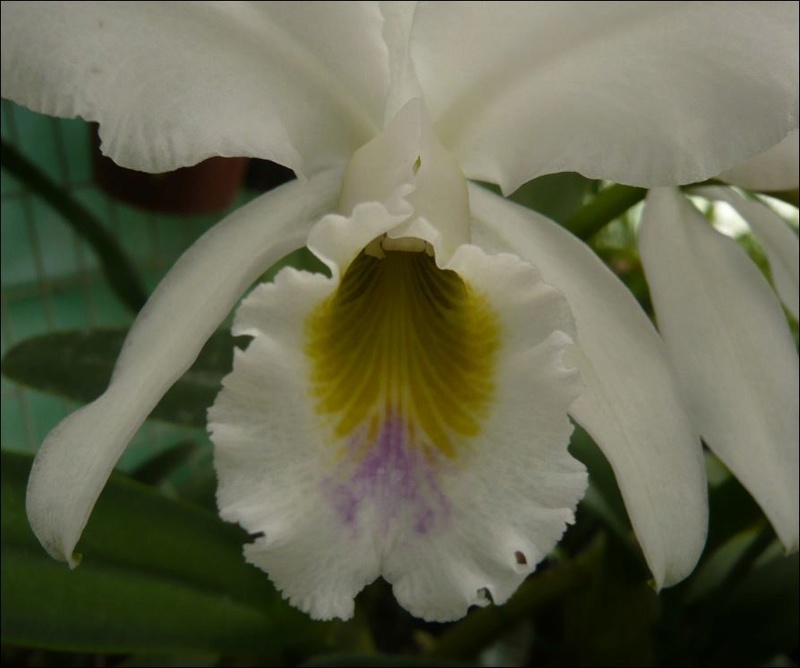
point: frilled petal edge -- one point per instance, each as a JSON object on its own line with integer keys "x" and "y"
{"x": 75, "y": 460}
{"x": 399, "y": 419}
{"x": 631, "y": 405}
{"x": 731, "y": 348}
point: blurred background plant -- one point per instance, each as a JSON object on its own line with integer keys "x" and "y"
{"x": 165, "y": 583}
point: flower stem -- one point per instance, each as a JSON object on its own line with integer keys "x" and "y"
{"x": 608, "y": 204}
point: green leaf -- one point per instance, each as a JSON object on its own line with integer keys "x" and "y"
{"x": 376, "y": 660}
{"x": 161, "y": 467}
{"x": 78, "y": 366}
{"x": 758, "y": 619}
{"x": 731, "y": 510}
{"x": 603, "y": 498}
{"x": 186, "y": 470}
{"x": 118, "y": 268}
{"x": 556, "y": 196}
{"x": 611, "y": 621}
{"x": 608, "y": 204}
{"x": 481, "y": 628}
{"x": 719, "y": 568}
{"x": 157, "y": 576}
{"x": 200, "y": 660}
{"x": 301, "y": 259}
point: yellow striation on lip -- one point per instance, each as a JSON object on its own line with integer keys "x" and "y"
{"x": 403, "y": 338}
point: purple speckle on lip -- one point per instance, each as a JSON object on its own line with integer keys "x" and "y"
{"x": 390, "y": 478}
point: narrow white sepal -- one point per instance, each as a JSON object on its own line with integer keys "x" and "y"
{"x": 731, "y": 349}
{"x": 75, "y": 460}
{"x": 631, "y": 404}
{"x": 779, "y": 242}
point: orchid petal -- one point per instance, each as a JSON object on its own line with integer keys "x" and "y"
{"x": 777, "y": 239}
{"x": 777, "y": 168}
{"x": 172, "y": 83}
{"x": 512, "y": 499}
{"x": 403, "y": 82}
{"x": 77, "y": 457}
{"x": 263, "y": 406}
{"x": 732, "y": 351}
{"x": 643, "y": 93}
{"x": 419, "y": 433}
{"x": 631, "y": 405}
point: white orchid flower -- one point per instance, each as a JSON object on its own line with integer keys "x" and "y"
{"x": 407, "y": 417}
{"x": 726, "y": 332}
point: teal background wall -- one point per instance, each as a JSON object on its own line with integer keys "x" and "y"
{"x": 50, "y": 277}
